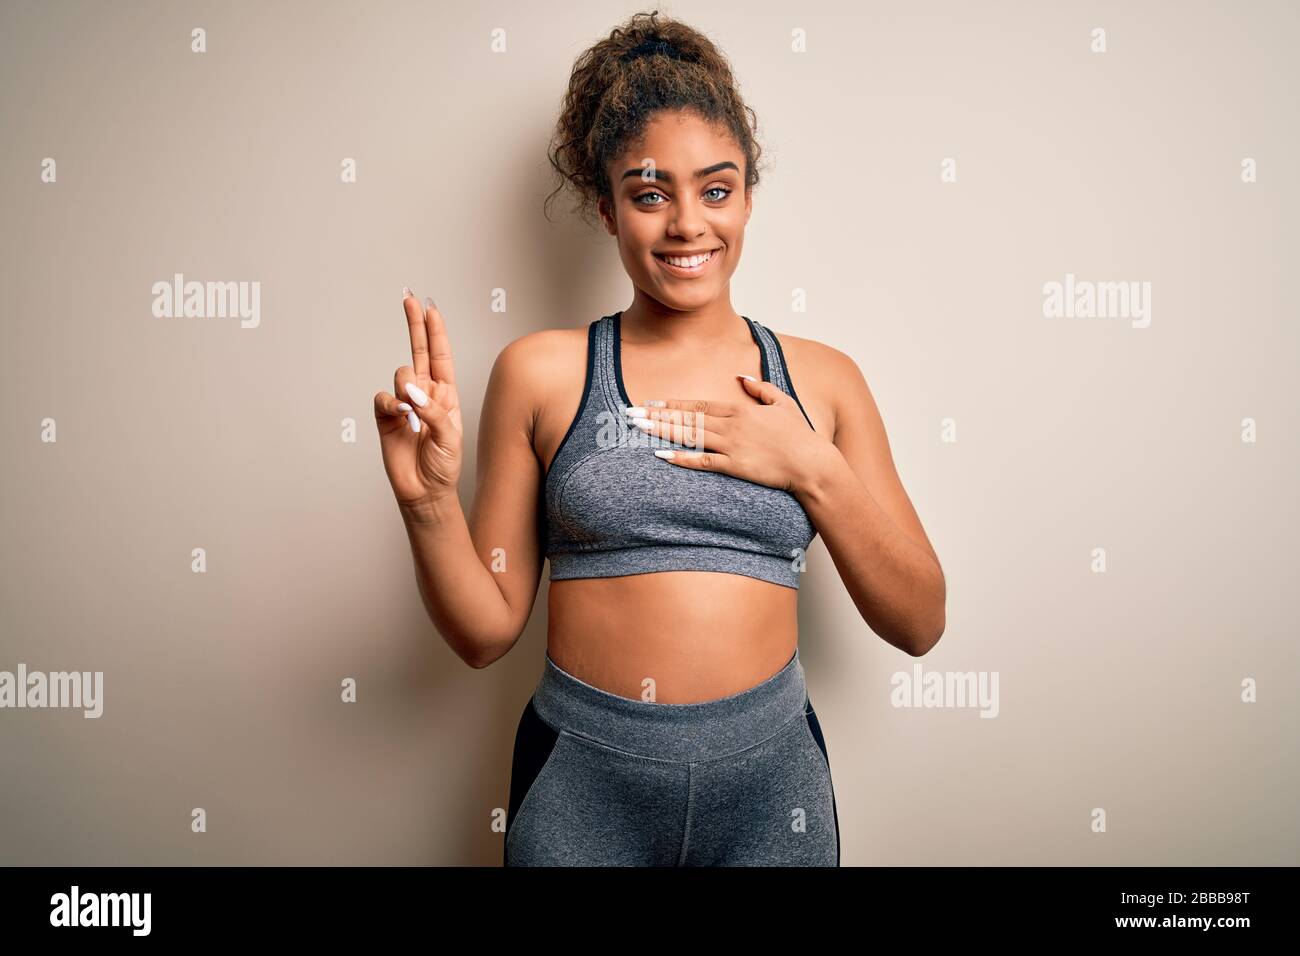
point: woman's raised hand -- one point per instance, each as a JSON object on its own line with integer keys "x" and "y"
{"x": 420, "y": 430}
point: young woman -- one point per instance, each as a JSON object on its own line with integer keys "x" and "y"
{"x": 671, "y": 725}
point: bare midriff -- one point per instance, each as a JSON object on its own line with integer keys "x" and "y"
{"x": 681, "y": 636}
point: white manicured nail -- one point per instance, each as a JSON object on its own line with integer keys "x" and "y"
{"x": 406, "y": 293}
{"x": 414, "y": 419}
{"x": 417, "y": 396}
{"x": 664, "y": 453}
{"x": 636, "y": 412}
{"x": 656, "y": 403}
{"x": 748, "y": 378}
{"x": 642, "y": 423}
{"x": 403, "y": 406}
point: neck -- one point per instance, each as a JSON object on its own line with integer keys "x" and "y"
{"x": 648, "y": 320}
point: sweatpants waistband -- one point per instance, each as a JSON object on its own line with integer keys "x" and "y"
{"x": 679, "y": 732}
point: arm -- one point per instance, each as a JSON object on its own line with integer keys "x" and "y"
{"x": 853, "y": 495}
{"x": 479, "y": 578}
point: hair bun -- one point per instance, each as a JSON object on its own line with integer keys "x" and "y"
{"x": 649, "y": 47}
{"x": 645, "y": 67}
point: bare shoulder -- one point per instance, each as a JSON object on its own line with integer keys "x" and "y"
{"x": 813, "y": 353}
{"x": 534, "y": 374}
{"x": 535, "y": 350}
{"x": 823, "y": 376}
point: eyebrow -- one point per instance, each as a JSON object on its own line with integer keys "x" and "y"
{"x": 669, "y": 177}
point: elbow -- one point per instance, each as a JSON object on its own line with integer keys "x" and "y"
{"x": 923, "y": 638}
{"x": 475, "y": 651}
{"x": 479, "y": 656}
{"x": 923, "y": 642}
{"x": 916, "y": 640}
{"x": 482, "y": 654}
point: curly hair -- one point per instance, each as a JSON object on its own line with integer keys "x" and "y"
{"x": 647, "y": 65}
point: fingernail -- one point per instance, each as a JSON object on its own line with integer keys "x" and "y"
{"x": 656, "y": 403}
{"x": 414, "y": 419}
{"x": 636, "y": 412}
{"x": 642, "y": 423}
{"x": 664, "y": 453}
{"x": 428, "y": 302}
{"x": 406, "y": 292}
{"x": 403, "y": 406}
{"x": 748, "y": 378}
{"x": 417, "y": 396}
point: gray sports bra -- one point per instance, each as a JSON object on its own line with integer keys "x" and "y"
{"x": 612, "y": 508}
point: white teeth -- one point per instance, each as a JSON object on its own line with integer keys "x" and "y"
{"x": 688, "y": 263}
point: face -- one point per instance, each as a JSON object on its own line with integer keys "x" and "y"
{"x": 692, "y": 200}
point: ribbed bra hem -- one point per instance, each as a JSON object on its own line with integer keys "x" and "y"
{"x": 650, "y": 559}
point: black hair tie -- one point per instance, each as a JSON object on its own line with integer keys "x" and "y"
{"x": 650, "y": 46}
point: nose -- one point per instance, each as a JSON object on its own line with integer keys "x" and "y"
{"x": 687, "y": 222}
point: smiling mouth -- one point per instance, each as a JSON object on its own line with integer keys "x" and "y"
{"x": 688, "y": 265}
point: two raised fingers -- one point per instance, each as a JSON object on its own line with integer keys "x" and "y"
{"x": 430, "y": 345}
{"x": 431, "y": 364}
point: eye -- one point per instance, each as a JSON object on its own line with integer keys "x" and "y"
{"x": 725, "y": 190}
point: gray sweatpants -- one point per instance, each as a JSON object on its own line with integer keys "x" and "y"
{"x": 604, "y": 780}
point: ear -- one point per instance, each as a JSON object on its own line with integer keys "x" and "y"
{"x": 607, "y": 216}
